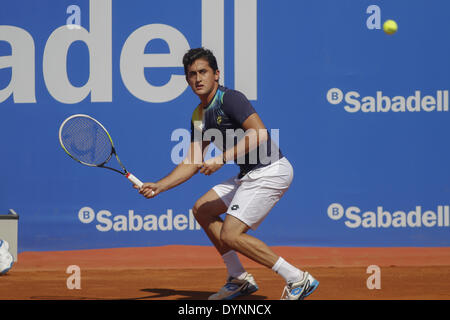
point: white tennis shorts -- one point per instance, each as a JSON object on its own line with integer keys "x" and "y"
{"x": 252, "y": 197}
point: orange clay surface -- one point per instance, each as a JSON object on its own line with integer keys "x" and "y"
{"x": 195, "y": 272}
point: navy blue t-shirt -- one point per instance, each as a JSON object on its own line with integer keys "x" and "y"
{"x": 223, "y": 118}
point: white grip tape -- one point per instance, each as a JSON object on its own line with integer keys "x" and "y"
{"x": 135, "y": 180}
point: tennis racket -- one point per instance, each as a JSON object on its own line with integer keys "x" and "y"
{"x": 87, "y": 141}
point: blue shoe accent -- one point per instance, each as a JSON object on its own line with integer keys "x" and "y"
{"x": 300, "y": 290}
{"x": 311, "y": 289}
{"x": 7, "y": 269}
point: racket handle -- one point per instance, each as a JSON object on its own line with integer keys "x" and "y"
{"x": 135, "y": 180}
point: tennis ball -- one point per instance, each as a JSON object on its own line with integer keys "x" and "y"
{"x": 390, "y": 27}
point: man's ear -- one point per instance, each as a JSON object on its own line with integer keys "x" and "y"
{"x": 217, "y": 75}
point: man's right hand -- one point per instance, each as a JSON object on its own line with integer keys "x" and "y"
{"x": 150, "y": 189}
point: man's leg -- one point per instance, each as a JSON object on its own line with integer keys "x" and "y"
{"x": 234, "y": 235}
{"x": 207, "y": 211}
{"x": 299, "y": 284}
{"x": 231, "y": 236}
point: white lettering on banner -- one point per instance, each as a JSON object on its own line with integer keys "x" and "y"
{"x": 245, "y": 54}
{"x": 21, "y": 62}
{"x": 381, "y": 103}
{"x": 99, "y": 43}
{"x": 213, "y": 31}
{"x": 86, "y": 215}
{"x": 245, "y": 41}
{"x": 382, "y": 218}
{"x": 136, "y": 222}
{"x": 133, "y": 60}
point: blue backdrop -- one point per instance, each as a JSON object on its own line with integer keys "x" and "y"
{"x": 362, "y": 116}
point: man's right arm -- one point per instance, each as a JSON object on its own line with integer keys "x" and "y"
{"x": 182, "y": 172}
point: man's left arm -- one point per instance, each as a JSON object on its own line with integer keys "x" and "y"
{"x": 255, "y": 134}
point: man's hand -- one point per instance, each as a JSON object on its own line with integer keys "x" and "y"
{"x": 150, "y": 189}
{"x": 212, "y": 165}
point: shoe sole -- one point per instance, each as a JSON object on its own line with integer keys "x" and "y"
{"x": 248, "y": 291}
{"x": 7, "y": 269}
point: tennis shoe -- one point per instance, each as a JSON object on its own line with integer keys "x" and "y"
{"x": 4, "y": 246}
{"x": 234, "y": 288}
{"x": 301, "y": 289}
{"x": 6, "y": 262}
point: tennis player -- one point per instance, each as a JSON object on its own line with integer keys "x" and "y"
{"x": 265, "y": 175}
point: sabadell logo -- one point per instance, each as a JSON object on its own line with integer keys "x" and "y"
{"x": 105, "y": 221}
{"x": 417, "y": 217}
{"x": 354, "y": 101}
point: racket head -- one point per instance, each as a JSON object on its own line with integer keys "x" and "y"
{"x": 86, "y": 140}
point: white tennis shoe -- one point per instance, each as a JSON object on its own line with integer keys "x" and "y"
{"x": 6, "y": 262}
{"x": 4, "y": 246}
{"x": 301, "y": 289}
{"x": 235, "y": 288}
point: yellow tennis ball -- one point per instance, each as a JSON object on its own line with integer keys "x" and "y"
{"x": 390, "y": 27}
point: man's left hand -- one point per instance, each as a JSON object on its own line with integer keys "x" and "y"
{"x": 211, "y": 165}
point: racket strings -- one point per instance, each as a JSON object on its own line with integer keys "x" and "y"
{"x": 85, "y": 140}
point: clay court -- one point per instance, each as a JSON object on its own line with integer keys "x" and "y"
{"x": 195, "y": 272}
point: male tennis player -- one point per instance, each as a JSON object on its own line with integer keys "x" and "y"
{"x": 246, "y": 198}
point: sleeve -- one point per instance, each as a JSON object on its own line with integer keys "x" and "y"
{"x": 237, "y": 106}
{"x": 196, "y": 120}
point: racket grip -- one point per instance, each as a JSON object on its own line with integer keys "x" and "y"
{"x": 135, "y": 180}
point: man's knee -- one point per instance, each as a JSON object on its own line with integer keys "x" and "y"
{"x": 200, "y": 211}
{"x": 207, "y": 209}
{"x": 196, "y": 209}
{"x": 229, "y": 238}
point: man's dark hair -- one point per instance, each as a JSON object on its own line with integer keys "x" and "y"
{"x": 199, "y": 53}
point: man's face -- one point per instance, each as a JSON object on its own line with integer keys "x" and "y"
{"x": 202, "y": 78}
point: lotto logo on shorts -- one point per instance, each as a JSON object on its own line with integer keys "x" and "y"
{"x": 419, "y": 217}
{"x": 106, "y": 221}
{"x": 437, "y": 101}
